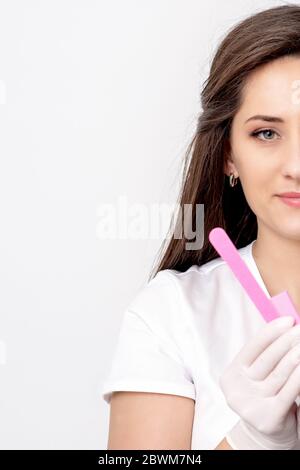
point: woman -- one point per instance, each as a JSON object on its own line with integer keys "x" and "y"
{"x": 196, "y": 367}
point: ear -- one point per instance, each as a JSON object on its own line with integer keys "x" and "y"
{"x": 229, "y": 166}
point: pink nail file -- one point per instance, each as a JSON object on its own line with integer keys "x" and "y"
{"x": 279, "y": 305}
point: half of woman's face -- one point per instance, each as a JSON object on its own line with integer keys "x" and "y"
{"x": 266, "y": 153}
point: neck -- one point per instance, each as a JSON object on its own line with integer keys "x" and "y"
{"x": 278, "y": 261}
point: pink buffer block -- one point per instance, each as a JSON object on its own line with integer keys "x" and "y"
{"x": 279, "y": 305}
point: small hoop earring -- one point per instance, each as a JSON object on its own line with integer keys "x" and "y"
{"x": 232, "y": 180}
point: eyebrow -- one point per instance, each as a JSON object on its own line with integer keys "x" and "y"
{"x": 263, "y": 117}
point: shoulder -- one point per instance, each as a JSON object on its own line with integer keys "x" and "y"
{"x": 165, "y": 302}
{"x": 173, "y": 298}
{"x": 214, "y": 276}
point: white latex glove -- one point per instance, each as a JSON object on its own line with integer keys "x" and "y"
{"x": 261, "y": 385}
{"x": 298, "y": 422}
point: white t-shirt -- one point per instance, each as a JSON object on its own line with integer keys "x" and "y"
{"x": 178, "y": 335}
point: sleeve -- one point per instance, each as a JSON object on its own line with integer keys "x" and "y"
{"x": 148, "y": 356}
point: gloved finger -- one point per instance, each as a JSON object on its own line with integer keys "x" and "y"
{"x": 274, "y": 353}
{"x": 298, "y": 422}
{"x": 288, "y": 393}
{"x": 263, "y": 338}
{"x": 280, "y": 374}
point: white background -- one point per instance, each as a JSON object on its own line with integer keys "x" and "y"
{"x": 100, "y": 101}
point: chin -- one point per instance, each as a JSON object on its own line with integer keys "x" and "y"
{"x": 291, "y": 233}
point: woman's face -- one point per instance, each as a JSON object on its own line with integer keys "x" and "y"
{"x": 268, "y": 163}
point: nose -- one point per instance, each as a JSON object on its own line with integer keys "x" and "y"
{"x": 291, "y": 160}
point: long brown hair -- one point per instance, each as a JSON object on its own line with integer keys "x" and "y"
{"x": 258, "y": 39}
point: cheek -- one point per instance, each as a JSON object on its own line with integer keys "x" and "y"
{"x": 257, "y": 186}
{"x": 255, "y": 171}
{"x": 250, "y": 176}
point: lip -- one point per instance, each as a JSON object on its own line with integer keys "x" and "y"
{"x": 290, "y": 194}
{"x": 290, "y": 201}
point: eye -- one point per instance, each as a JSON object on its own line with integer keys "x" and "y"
{"x": 256, "y": 133}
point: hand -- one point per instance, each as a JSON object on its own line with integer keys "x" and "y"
{"x": 298, "y": 422}
{"x": 261, "y": 385}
